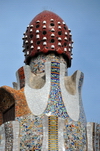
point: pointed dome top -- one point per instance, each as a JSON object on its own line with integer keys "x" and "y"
{"x": 47, "y": 32}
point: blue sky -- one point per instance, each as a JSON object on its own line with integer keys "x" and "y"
{"x": 81, "y": 16}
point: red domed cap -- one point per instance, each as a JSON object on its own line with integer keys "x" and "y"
{"x": 47, "y": 32}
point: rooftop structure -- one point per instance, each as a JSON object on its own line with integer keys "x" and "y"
{"x": 44, "y": 111}
{"x": 47, "y": 32}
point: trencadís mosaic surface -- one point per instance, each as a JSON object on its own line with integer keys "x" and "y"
{"x": 54, "y": 129}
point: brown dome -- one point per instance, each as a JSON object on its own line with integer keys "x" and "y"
{"x": 47, "y": 32}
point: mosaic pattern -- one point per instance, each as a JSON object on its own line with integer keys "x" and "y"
{"x": 31, "y": 132}
{"x": 97, "y": 138}
{"x": 55, "y": 103}
{"x": 2, "y": 137}
{"x": 37, "y": 65}
{"x": 53, "y": 133}
{"x": 90, "y": 136}
{"x": 73, "y": 130}
{"x": 74, "y": 136}
{"x": 8, "y": 136}
{"x": 82, "y": 113}
{"x": 93, "y": 135}
{"x": 31, "y": 126}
